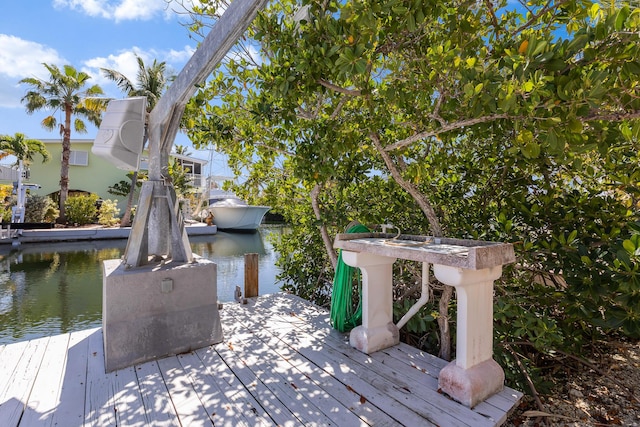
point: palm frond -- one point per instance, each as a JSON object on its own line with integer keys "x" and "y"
{"x": 79, "y": 125}
{"x": 119, "y": 79}
{"x": 49, "y": 122}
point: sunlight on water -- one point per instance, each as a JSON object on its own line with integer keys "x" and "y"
{"x": 52, "y": 288}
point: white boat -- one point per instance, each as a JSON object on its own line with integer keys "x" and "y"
{"x": 232, "y": 213}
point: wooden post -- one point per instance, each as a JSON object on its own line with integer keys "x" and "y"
{"x": 250, "y": 275}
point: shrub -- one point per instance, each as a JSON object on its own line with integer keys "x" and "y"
{"x": 81, "y": 209}
{"x": 5, "y": 211}
{"x": 108, "y": 214}
{"x": 7, "y": 200}
{"x": 40, "y": 209}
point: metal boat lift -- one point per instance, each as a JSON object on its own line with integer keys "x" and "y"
{"x": 160, "y": 299}
{"x": 158, "y": 230}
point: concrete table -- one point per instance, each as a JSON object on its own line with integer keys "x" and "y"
{"x": 471, "y": 266}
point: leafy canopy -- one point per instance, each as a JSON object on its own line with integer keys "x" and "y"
{"x": 516, "y": 124}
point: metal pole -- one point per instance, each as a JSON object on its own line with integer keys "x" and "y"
{"x": 158, "y": 225}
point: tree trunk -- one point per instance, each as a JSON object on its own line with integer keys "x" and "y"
{"x": 443, "y": 323}
{"x": 436, "y": 231}
{"x": 126, "y": 218}
{"x": 64, "y": 164}
{"x": 421, "y": 200}
{"x": 328, "y": 244}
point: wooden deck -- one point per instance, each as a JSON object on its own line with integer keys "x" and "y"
{"x": 280, "y": 364}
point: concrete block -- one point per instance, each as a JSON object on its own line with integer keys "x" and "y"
{"x": 158, "y": 310}
{"x": 471, "y": 386}
{"x": 370, "y": 340}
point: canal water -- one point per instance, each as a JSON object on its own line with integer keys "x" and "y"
{"x": 52, "y": 288}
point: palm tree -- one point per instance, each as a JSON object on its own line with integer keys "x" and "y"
{"x": 65, "y": 91}
{"x": 150, "y": 82}
{"x": 22, "y": 148}
{"x": 183, "y": 150}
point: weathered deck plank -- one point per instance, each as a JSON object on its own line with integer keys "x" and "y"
{"x": 362, "y": 408}
{"x": 313, "y": 402}
{"x": 185, "y": 399}
{"x": 321, "y": 368}
{"x": 416, "y": 395}
{"x": 279, "y": 364}
{"x": 69, "y": 412}
{"x": 10, "y": 356}
{"x": 276, "y": 409}
{"x": 16, "y": 390}
{"x": 218, "y": 374}
{"x": 43, "y": 399}
{"x": 155, "y": 396}
{"x": 496, "y": 408}
{"x": 99, "y": 409}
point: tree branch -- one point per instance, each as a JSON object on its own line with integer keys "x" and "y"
{"x": 328, "y": 244}
{"x": 534, "y": 17}
{"x": 524, "y": 372}
{"x": 338, "y": 108}
{"x": 612, "y": 117}
{"x": 420, "y": 199}
{"x": 443, "y": 322}
{"x": 328, "y": 85}
{"x": 492, "y": 14}
{"x": 446, "y": 128}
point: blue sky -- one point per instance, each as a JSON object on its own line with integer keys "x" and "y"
{"x": 87, "y": 34}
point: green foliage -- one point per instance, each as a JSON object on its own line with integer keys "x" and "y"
{"x": 310, "y": 278}
{"x": 22, "y": 148}
{"x": 179, "y": 178}
{"x": 122, "y": 188}
{"x": 39, "y": 209}
{"x": 6, "y": 199}
{"x": 5, "y": 212}
{"x": 422, "y": 322}
{"x": 108, "y": 213}
{"x": 307, "y": 272}
{"x": 514, "y": 126}
{"x": 82, "y": 209}
{"x": 65, "y": 94}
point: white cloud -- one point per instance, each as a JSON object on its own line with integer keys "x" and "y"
{"x": 21, "y": 58}
{"x": 90, "y": 7}
{"x": 125, "y": 62}
{"x": 138, "y": 9}
{"x": 118, "y": 10}
{"x": 179, "y": 56}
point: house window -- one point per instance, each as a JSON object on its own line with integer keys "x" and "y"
{"x": 79, "y": 158}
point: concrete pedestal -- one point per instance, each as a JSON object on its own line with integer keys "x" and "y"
{"x": 473, "y": 385}
{"x": 473, "y": 375}
{"x": 377, "y": 331}
{"x": 471, "y": 266}
{"x": 157, "y": 310}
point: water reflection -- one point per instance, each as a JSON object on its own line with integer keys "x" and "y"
{"x": 51, "y": 288}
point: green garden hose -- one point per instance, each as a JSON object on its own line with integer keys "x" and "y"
{"x": 343, "y": 316}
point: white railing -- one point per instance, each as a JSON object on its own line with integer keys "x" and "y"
{"x": 8, "y": 173}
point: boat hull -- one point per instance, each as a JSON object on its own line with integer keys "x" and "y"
{"x": 246, "y": 217}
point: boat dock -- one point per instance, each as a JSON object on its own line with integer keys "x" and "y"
{"x": 280, "y": 363}
{"x": 8, "y": 236}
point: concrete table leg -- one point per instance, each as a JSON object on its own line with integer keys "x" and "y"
{"x": 473, "y": 375}
{"x": 377, "y": 330}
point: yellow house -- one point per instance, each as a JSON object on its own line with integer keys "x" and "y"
{"x": 92, "y": 174}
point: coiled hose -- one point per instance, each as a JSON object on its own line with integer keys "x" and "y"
{"x": 343, "y": 316}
